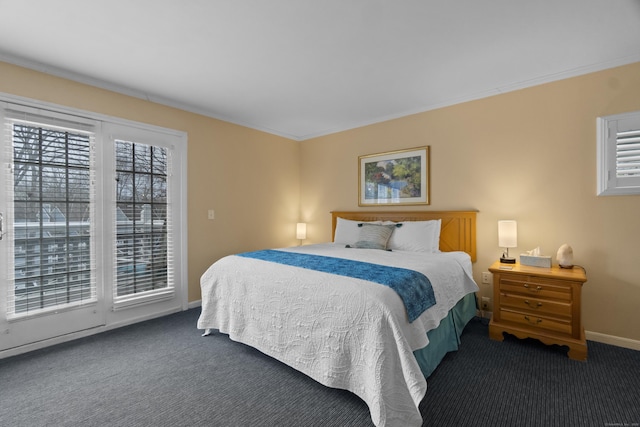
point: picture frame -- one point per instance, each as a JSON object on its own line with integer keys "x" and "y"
{"x": 394, "y": 178}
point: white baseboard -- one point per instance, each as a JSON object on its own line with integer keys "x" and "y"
{"x": 79, "y": 334}
{"x": 194, "y": 304}
{"x": 484, "y": 314}
{"x": 612, "y": 340}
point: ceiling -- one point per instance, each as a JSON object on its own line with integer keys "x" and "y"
{"x": 302, "y": 68}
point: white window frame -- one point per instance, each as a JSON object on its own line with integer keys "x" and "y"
{"x": 609, "y": 184}
{"x": 27, "y": 113}
{"x": 156, "y": 137}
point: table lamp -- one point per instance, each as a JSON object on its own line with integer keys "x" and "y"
{"x": 507, "y": 238}
{"x": 301, "y": 231}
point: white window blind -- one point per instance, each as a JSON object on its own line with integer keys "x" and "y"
{"x": 619, "y": 154}
{"x": 50, "y": 211}
{"x": 142, "y": 219}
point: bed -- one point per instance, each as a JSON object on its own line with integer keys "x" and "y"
{"x": 375, "y": 339}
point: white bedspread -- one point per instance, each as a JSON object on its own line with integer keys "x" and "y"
{"x": 345, "y": 333}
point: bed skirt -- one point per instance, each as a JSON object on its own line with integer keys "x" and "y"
{"x": 446, "y": 337}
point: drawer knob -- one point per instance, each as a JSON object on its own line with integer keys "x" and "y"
{"x": 530, "y": 304}
{"x": 528, "y": 319}
{"x": 536, "y": 289}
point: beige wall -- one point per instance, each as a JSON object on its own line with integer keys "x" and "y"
{"x": 528, "y": 155}
{"x": 249, "y": 178}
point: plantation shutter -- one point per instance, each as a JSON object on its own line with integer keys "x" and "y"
{"x": 619, "y": 154}
{"x": 628, "y": 153}
{"x": 624, "y": 137}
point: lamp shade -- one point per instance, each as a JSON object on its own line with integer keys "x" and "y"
{"x": 507, "y": 233}
{"x": 301, "y": 230}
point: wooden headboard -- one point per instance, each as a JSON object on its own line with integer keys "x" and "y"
{"x": 457, "y": 233}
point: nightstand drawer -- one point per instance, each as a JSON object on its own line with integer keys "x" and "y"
{"x": 538, "y": 322}
{"x": 535, "y": 305}
{"x": 539, "y": 287}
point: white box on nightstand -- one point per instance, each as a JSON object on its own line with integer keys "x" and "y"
{"x": 535, "y": 261}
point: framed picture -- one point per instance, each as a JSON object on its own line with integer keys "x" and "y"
{"x": 394, "y": 178}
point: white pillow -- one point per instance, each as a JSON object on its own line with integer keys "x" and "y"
{"x": 347, "y": 231}
{"x": 416, "y": 236}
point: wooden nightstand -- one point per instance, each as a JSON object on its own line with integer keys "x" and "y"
{"x": 540, "y": 303}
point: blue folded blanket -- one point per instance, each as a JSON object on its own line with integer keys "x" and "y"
{"x": 414, "y": 288}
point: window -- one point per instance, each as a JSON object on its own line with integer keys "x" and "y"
{"x": 141, "y": 218}
{"x": 94, "y": 222}
{"x": 144, "y": 212}
{"x": 52, "y": 200}
{"x": 619, "y": 154}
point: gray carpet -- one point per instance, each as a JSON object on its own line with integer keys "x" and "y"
{"x": 163, "y": 373}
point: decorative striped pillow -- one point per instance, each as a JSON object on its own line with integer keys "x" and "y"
{"x": 373, "y": 236}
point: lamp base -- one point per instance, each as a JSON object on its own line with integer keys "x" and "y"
{"x": 507, "y": 260}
